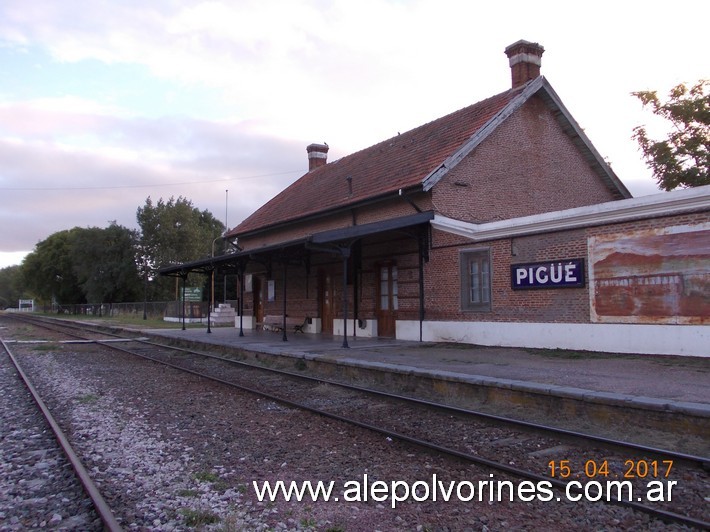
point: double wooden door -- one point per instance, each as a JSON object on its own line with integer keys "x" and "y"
{"x": 387, "y": 300}
{"x": 326, "y": 300}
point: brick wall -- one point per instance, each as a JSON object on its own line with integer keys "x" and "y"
{"x": 527, "y": 166}
{"x": 383, "y": 210}
{"x": 442, "y": 276}
{"x": 564, "y": 305}
{"x": 302, "y": 296}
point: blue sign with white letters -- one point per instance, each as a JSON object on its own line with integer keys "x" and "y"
{"x": 567, "y": 273}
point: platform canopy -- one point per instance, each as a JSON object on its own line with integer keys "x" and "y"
{"x": 330, "y": 240}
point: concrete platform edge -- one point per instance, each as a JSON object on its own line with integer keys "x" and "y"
{"x": 605, "y": 398}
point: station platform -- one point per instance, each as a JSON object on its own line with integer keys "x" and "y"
{"x": 650, "y": 382}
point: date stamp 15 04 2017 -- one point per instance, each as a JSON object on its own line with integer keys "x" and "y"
{"x": 595, "y": 469}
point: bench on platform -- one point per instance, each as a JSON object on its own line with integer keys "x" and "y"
{"x": 276, "y": 323}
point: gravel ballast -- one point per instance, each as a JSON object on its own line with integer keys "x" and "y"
{"x": 171, "y": 451}
{"x": 38, "y": 488}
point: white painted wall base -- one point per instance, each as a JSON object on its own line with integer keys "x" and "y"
{"x": 684, "y": 340}
{"x": 366, "y": 328}
{"x": 314, "y": 327}
{"x": 248, "y": 322}
{"x": 173, "y": 319}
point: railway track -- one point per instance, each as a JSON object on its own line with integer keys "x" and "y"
{"x": 101, "y": 507}
{"x": 567, "y": 461}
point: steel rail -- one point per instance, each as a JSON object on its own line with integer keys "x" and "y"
{"x": 102, "y": 508}
{"x": 566, "y": 487}
{"x": 664, "y": 515}
{"x": 700, "y": 461}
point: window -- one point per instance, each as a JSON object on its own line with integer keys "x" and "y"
{"x": 476, "y": 279}
{"x": 389, "y": 293}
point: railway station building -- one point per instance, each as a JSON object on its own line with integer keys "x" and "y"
{"x": 499, "y": 224}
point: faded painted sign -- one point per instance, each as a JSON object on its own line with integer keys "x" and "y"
{"x": 651, "y": 276}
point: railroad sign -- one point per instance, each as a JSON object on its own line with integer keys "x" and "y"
{"x": 27, "y": 305}
{"x": 567, "y": 273}
{"x": 192, "y": 293}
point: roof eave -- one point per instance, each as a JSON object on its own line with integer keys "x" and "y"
{"x": 322, "y": 214}
{"x": 575, "y": 132}
{"x": 663, "y": 204}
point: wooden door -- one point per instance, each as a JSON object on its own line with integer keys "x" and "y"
{"x": 325, "y": 301}
{"x": 387, "y": 301}
{"x": 258, "y": 301}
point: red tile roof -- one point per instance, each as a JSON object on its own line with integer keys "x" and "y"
{"x": 401, "y": 162}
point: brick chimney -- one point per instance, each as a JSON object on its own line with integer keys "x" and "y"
{"x": 317, "y": 155}
{"x": 525, "y": 59}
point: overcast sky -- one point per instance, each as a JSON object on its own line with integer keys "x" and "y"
{"x": 108, "y": 102}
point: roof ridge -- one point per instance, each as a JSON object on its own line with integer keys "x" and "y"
{"x": 400, "y": 161}
{"x": 527, "y": 90}
{"x": 427, "y": 124}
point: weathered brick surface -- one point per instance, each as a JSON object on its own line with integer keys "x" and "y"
{"x": 527, "y": 166}
{"x": 564, "y": 305}
{"x": 442, "y": 277}
{"x": 392, "y": 207}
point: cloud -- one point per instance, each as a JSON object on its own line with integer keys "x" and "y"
{"x": 177, "y": 97}
{"x": 48, "y": 177}
{"x": 280, "y": 61}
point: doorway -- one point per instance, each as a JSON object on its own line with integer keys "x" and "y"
{"x": 387, "y": 300}
{"x": 325, "y": 300}
{"x": 258, "y": 299}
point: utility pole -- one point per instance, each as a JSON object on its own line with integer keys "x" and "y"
{"x": 226, "y": 228}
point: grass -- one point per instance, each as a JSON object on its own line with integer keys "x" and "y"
{"x": 128, "y": 320}
{"x": 49, "y": 346}
{"x": 218, "y": 484}
{"x": 198, "y": 518}
{"x": 308, "y": 522}
{"x": 88, "y": 398}
{"x": 205, "y": 476}
{"x": 570, "y": 354}
{"x": 23, "y": 333}
{"x": 662, "y": 360}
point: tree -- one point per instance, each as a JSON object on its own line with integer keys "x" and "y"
{"x": 104, "y": 262}
{"x": 10, "y": 287}
{"x": 84, "y": 265}
{"x": 48, "y": 272}
{"x": 683, "y": 159}
{"x": 174, "y": 232}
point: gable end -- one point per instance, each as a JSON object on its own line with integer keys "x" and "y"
{"x": 541, "y": 87}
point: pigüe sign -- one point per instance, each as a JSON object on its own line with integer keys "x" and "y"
{"x": 567, "y": 273}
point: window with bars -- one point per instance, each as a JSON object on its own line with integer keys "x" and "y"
{"x": 475, "y": 273}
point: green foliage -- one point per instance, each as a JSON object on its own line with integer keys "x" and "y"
{"x": 11, "y": 287}
{"x": 84, "y": 265}
{"x": 683, "y": 159}
{"x": 110, "y": 265}
{"x": 205, "y": 476}
{"x": 48, "y": 272}
{"x": 88, "y": 398}
{"x": 104, "y": 263}
{"x": 175, "y": 232}
{"x": 199, "y": 518}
